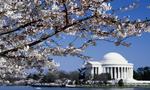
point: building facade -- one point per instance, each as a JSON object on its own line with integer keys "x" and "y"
{"x": 115, "y": 65}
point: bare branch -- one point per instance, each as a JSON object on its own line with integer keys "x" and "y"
{"x": 20, "y": 27}
{"x": 66, "y": 12}
{"x": 48, "y": 36}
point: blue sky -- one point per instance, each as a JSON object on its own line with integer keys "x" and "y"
{"x": 138, "y": 53}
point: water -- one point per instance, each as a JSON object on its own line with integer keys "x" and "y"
{"x": 47, "y": 88}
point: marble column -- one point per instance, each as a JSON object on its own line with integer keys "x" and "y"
{"x": 128, "y": 75}
{"x": 115, "y": 74}
{"x": 104, "y": 70}
{"x": 118, "y": 72}
{"x": 125, "y": 72}
{"x": 108, "y": 69}
{"x": 122, "y": 72}
{"x": 131, "y": 72}
{"x": 95, "y": 70}
{"x": 111, "y": 73}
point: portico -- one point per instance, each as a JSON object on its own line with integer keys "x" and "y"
{"x": 119, "y": 72}
{"x": 112, "y": 63}
{"x": 116, "y": 66}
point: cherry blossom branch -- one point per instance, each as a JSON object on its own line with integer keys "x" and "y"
{"x": 22, "y": 26}
{"x": 66, "y": 12}
{"x": 107, "y": 20}
{"x": 48, "y": 36}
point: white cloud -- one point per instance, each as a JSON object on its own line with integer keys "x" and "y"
{"x": 148, "y": 6}
{"x": 148, "y": 29}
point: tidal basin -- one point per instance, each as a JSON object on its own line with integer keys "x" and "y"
{"x": 58, "y": 88}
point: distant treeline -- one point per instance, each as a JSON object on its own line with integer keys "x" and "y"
{"x": 142, "y": 73}
{"x": 52, "y": 76}
{"x": 77, "y": 76}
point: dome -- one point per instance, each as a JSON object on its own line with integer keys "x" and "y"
{"x": 114, "y": 58}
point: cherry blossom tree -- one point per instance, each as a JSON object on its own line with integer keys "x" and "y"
{"x": 31, "y": 30}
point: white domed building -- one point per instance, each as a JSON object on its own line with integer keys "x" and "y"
{"x": 117, "y": 66}
{"x": 114, "y": 64}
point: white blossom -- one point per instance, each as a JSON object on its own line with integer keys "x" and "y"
{"x": 55, "y": 7}
{"x": 148, "y": 29}
{"x": 26, "y": 48}
{"x": 33, "y": 30}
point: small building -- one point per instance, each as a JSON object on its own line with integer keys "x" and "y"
{"x": 115, "y": 65}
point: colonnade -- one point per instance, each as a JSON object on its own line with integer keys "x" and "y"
{"x": 119, "y": 72}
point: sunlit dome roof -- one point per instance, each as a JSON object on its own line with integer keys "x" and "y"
{"x": 113, "y": 58}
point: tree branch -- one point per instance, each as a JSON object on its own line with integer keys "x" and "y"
{"x": 108, "y": 20}
{"x": 18, "y": 28}
{"x": 66, "y": 12}
{"x": 48, "y": 36}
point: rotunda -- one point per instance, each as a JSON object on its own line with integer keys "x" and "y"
{"x": 112, "y": 63}
{"x": 117, "y": 66}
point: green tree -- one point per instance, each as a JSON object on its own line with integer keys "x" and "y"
{"x": 35, "y": 76}
{"x": 63, "y": 75}
{"x": 49, "y": 77}
{"x": 142, "y": 73}
{"x": 104, "y": 77}
{"x": 74, "y": 75}
{"x": 136, "y": 75}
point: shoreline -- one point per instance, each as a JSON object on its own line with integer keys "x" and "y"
{"x": 54, "y": 85}
{"x": 93, "y": 86}
{"x": 80, "y": 86}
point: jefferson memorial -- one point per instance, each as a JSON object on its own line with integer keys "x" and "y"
{"x": 114, "y": 64}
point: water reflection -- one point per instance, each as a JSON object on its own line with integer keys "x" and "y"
{"x": 111, "y": 89}
{"x": 95, "y": 88}
{"x": 115, "y": 89}
{"x": 47, "y": 88}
